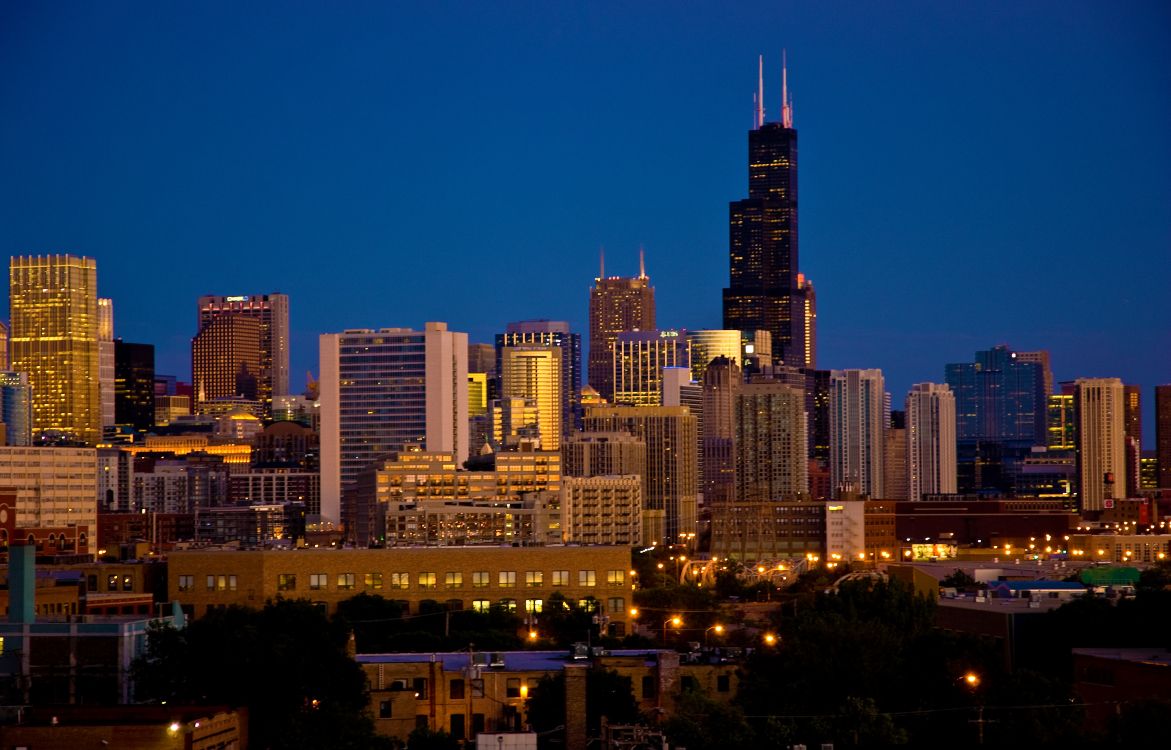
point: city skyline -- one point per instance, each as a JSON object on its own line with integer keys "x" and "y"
{"x": 294, "y": 192}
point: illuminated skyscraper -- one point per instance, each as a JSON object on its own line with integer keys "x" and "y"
{"x": 384, "y": 391}
{"x": 707, "y": 345}
{"x": 106, "y": 360}
{"x": 1133, "y": 419}
{"x": 721, "y": 384}
{"x": 54, "y": 338}
{"x": 617, "y": 304}
{"x": 554, "y": 333}
{"x": 809, "y": 299}
{"x": 771, "y": 446}
{"x": 272, "y": 312}
{"x": 1061, "y": 430}
{"x": 226, "y": 360}
{"x": 1101, "y": 440}
{"x": 931, "y": 440}
{"x": 639, "y": 359}
{"x": 3, "y": 345}
{"x": 764, "y": 292}
{"x": 534, "y": 372}
{"x": 856, "y": 423}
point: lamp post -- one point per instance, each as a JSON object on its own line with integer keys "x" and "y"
{"x": 674, "y": 621}
{"x": 717, "y": 627}
{"x": 972, "y": 680}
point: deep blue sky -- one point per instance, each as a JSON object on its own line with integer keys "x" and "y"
{"x": 971, "y": 173}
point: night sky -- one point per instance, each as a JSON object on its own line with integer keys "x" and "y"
{"x": 970, "y": 173}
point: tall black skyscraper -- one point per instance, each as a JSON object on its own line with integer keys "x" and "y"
{"x": 134, "y": 384}
{"x": 764, "y": 293}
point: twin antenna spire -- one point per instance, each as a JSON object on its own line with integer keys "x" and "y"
{"x": 786, "y": 100}
{"x": 641, "y": 262}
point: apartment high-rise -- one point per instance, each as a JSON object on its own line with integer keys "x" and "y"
{"x": 856, "y": 422}
{"x": 1163, "y": 434}
{"x": 106, "y": 360}
{"x": 931, "y": 440}
{"x": 1061, "y": 430}
{"x": 134, "y": 384}
{"x": 671, "y": 482}
{"x": 16, "y": 407}
{"x": 553, "y": 333}
{"x": 721, "y": 384}
{"x": 617, "y": 304}
{"x": 1133, "y": 420}
{"x": 272, "y": 312}
{"x": 383, "y": 391}
{"x": 770, "y": 447}
{"x": 1101, "y": 440}
{"x": 54, "y": 338}
{"x": 227, "y": 361}
{"x": 639, "y": 359}
{"x": 763, "y": 291}
{"x": 534, "y": 372}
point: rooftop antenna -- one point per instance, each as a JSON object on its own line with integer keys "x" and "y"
{"x": 786, "y": 102}
{"x": 760, "y": 92}
{"x": 641, "y": 262}
{"x": 602, "y": 261}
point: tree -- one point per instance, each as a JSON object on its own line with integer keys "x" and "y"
{"x": 959, "y": 580}
{"x": 700, "y": 723}
{"x": 287, "y": 664}
{"x": 608, "y": 694}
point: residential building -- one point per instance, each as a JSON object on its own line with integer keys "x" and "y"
{"x": 602, "y": 510}
{"x": 1101, "y": 421}
{"x": 106, "y": 360}
{"x": 770, "y": 443}
{"x": 856, "y": 426}
{"x": 721, "y": 384}
{"x": 54, "y": 486}
{"x": 553, "y": 333}
{"x": 16, "y": 408}
{"x": 931, "y": 440}
{"x": 533, "y": 372}
{"x": 383, "y": 391}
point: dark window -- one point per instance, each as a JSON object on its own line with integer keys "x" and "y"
{"x": 477, "y": 723}
{"x": 420, "y": 687}
{"x": 512, "y": 687}
{"x": 420, "y": 721}
{"x": 456, "y": 691}
{"x": 723, "y": 683}
{"x": 687, "y": 683}
{"x": 457, "y": 726}
{"x": 649, "y": 688}
{"x": 384, "y": 709}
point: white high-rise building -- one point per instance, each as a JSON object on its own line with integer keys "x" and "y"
{"x": 857, "y": 415}
{"x": 931, "y": 440}
{"x": 1099, "y": 406}
{"x": 383, "y": 391}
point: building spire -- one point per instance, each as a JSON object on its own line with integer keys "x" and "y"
{"x": 760, "y": 92}
{"x": 641, "y": 262}
{"x": 786, "y": 102}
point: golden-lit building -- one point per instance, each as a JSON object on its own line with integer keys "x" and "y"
{"x": 602, "y": 509}
{"x": 170, "y": 408}
{"x": 477, "y": 394}
{"x": 639, "y": 359}
{"x": 226, "y": 360}
{"x": 616, "y": 304}
{"x": 514, "y": 419}
{"x": 1061, "y": 431}
{"x": 1120, "y": 547}
{"x": 534, "y": 373}
{"x": 271, "y": 311}
{"x": 520, "y": 579}
{"x": 427, "y": 497}
{"x": 1101, "y": 437}
{"x": 708, "y": 344}
{"x": 671, "y": 482}
{"x": 54, "y": 338}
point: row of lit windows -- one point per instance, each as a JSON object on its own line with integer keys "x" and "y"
{"x": 424, "y": 580}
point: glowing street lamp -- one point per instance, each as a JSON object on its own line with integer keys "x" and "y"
{"x": 719, "y": 631}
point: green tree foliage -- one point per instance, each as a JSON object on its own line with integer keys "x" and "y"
{"x": 287, "y": 664}
{"x": 381, "y": 626}
{"x": 700, "y": 723}
{"x": 959, "y": 580}
{"x": 423, "y": 738}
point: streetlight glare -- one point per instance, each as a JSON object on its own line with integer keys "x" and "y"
{"x": 972, "y": 679}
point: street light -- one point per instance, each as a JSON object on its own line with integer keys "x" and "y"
{"x": 675, "y": 621}
{"x": 770, "y": 639}
{"x": 719, "y": 631}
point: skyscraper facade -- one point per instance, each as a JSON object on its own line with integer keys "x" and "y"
{"x": 226, "y": 360}
{"x": 721, "y": 385}
{"x": 931, "y": 440}
{"x": 16, "y": 408}
{"x": 763, "y": 291}
{"x": 106, "y": 360}
{"x": 771, "y": 447}
{"x": 554, "y": 333}
{"x": 617, "y": 304}
{"x": 1101, "y": 441}
{"x": 1163, "y": 434}
{"x": 272, "y": 312}
{"x": 1133, "y": 420}
{"x": 856, "y": 417}
{"x": 134, "y": 385}
{"x": 54, "y": 338}
{"x": 671, "y": 481}
{"x": 638, "y": 362}
{"x": 383, "y": 391}
{"x": 534, "y": 372}
{"x": 708, "y": 344}
{"x": 999, "y": 397}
